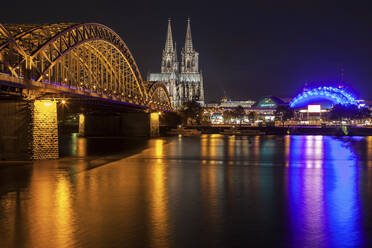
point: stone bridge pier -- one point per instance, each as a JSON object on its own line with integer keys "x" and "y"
{"x": 28, "y": 129}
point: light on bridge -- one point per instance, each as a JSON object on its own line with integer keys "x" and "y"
{"x": 47, "y": 103}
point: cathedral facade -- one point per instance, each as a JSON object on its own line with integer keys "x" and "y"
{"x": 184, "y": 81}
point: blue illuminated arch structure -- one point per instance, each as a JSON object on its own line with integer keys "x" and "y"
{"x": 332, "y": 94}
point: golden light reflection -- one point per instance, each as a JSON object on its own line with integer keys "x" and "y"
{"x": 50, "y": 210}
{"x": 256, "y": 146}
{"x": 287, "y": 144}
{"x": 245, "y": 147}
{"x": 81, "y": 147}
{"x": 63, "y": 213}
{"x": 204, "y": 140}
{"x": 231, "y": 146}
{"x": 159, "y": 148}
{"x": 215, "y": 148}
{"x": 369, "y": 151}
{"x": 209, "y": 191}
{"x": 159, "y": 208}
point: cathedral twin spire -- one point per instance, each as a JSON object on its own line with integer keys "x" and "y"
{"x": 189, "y": 60}
{"x": 188, "y": 39}
{"x": 169, "y": 41}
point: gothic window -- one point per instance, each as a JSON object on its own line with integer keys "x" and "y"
{"x": 188, "y": 64}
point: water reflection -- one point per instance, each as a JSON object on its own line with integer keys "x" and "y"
{"x": 369, "y": 150}
{"x": 159, "y": 200}
{"x": 323, "y": 193}
{"x": 212, "y": 191}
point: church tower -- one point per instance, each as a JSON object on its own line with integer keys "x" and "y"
{"x": 169, "y": 63}
{"x": 190, "y": 58}
{"x": 183, "y": 83}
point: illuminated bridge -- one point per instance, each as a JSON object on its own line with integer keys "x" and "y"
{"x": 85, "y": 63}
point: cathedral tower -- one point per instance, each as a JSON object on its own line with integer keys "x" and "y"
{"x": 169, "y": 63}
{"x": 190, "y": 58}
{"x": 186, "y": 84}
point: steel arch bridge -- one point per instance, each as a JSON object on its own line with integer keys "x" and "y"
{"x": 87, "y": 59}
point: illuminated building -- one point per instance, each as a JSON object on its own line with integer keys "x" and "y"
{"x": 314, "y": 104}
{"x": 325, "y": 96}
{"x": 184, "y": 82}
{"x": 311, "y": 106}
{"x": 233, "y": 104}
{"x": 266, "y": 107}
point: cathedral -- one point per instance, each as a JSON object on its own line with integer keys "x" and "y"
{"x": 183, "y": 80}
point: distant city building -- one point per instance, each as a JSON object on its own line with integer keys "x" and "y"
{"x": 228, "y": 103}
{"x": 185, "y": 82}
{"x": 266, "y": 106}
{"x": 232, "y": 104}
{"x": 270, "y": 102}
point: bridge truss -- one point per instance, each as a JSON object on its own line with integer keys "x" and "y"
{"x": 88, "y": 59}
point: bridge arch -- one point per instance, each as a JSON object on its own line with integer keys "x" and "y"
{"x": 158, "y": 94}
{"x": 87, "y": 56}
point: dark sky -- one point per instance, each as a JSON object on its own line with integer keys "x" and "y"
{"x": 247, "y": 48}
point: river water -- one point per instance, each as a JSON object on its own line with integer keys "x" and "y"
{"x": 208, "y": 191}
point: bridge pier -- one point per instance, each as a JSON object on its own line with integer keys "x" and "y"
{"x": 136, "y": 124}
{"x": 28, "y": 129}
{"x": 44, "y": 129}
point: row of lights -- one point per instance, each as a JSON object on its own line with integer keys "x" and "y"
{"x": 340, "y": 96}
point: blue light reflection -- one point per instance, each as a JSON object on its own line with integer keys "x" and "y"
{"x": 324, "y": 206}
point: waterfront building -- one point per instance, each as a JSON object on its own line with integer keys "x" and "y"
{"x": 264, "y": 109}
{"x": 312, "y": 106}
{"x": 183, "y": 80}
{"x": 266, "y": 106}
{"x": 233, "y": 104}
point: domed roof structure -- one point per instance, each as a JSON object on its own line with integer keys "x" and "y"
{"x": 325, "y": 96}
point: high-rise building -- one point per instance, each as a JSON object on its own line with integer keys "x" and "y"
{"x": 185, "y": 84}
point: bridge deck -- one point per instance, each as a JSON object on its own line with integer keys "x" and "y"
{"x": 56, "y": 88}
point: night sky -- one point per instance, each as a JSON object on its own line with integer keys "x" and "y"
{"x": 248, "y": 49}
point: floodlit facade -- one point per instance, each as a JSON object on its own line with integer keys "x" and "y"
{"x": 183, "y": 80}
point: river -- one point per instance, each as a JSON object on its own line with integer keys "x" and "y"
{"x": 207, "y": 191}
